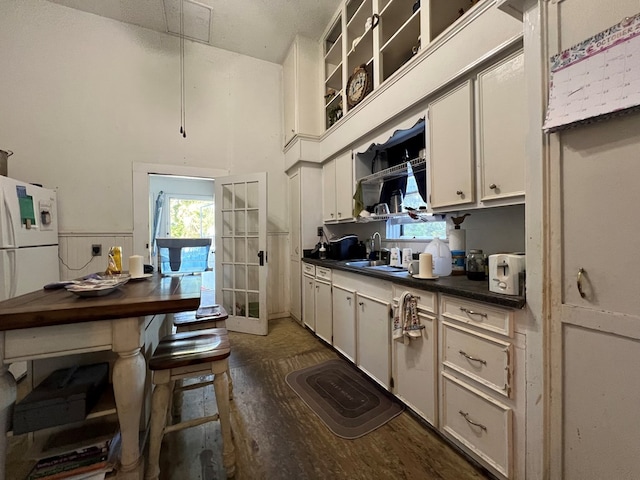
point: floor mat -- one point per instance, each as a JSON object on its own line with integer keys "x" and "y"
{"x": 349, "y": 403}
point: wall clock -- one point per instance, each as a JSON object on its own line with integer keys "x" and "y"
{"x": 358, "y": 86}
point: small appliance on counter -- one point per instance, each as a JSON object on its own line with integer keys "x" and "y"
{"x": 342, "y": 248}
{"x": 504, "y": 272}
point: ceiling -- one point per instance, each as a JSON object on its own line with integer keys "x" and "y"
{"x": 262, "y": 29}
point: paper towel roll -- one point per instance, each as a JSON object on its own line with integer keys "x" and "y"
{"x": 136, "y": 268}
{"x": 426, "y": 265}
{"x": 457, "y": 239}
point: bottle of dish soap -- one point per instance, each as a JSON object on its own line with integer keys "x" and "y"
{"x": 394, "y": 257}
{"x": 323, "y": 252}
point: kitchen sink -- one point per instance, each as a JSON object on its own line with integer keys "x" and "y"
{"x": 366, "y": 263}
{"x": 387, "y": 269}
{"x": 377, "y": 265}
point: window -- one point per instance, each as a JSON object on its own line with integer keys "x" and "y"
{"x": 426, "y": 227}
{"x": 190, "y": 217}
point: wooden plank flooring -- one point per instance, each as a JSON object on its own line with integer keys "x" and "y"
{"x": 277, "y": 437}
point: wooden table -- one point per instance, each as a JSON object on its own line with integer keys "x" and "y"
{"x": 51, "y": 323}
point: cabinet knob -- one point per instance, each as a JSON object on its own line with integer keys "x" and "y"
{"x": 493, "y": 186}
{"x": 339, "y": 214}
{"x": 332, "y": 215}
{"x": 349, "y": 298}
{"x": 361, "y": 303}
{"x": 459, "y": 192}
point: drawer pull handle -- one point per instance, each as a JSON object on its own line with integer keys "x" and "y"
{"x": 471, "y": 312}
{"x": 473, "y": 359}
{"x": 466, "y": 417}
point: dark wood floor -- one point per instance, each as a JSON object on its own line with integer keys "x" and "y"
{"x": 278, "y": 437}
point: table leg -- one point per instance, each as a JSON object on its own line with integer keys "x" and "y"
{"x": 129, "y": 373}
{"x": 7, "y": 399}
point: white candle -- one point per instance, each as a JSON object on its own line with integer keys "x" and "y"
{"x": 426, "y": 265}
{"x": 136, "y": 269}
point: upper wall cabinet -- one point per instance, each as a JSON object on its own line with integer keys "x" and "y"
{"x": 337, "y": 189}
{"x": 494, "y": 145}
{"x": 502, "y": 129}
{"x": 300, "y": 84}
{"x": 451, "y": 176}
{"x": 369, "y": 40}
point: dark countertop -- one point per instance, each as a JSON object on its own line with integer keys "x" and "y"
{"x": 460, "y": 285}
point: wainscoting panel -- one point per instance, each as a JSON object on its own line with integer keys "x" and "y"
{"x": 75, "y": 252}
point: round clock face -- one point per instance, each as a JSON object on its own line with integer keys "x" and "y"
{"x": 357, "y": 87}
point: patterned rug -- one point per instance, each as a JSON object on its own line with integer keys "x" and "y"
{"x": 349, "y": 403}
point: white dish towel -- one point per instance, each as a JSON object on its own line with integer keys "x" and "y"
{"x": 406, "y": 322}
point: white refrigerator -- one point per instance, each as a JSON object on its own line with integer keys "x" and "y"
{"x": 28, "y": 241}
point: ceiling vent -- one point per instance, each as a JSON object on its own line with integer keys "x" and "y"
{"x": 197, "y": 20}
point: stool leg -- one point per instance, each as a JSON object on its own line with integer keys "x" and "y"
{"x": 230, "y": 385}
{"x": 159, "y": 408}
{"x": 221, "y": 389}
{"x": 176, "y": 400}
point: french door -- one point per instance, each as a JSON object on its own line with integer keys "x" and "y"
{"x": 241, "y": 257}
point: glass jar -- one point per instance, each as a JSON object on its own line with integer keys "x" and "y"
{"x": 476, "y": 265}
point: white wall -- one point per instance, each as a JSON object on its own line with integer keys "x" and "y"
{"x": 83, "y": 97}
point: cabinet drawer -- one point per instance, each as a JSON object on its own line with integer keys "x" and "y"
{"x": 485, "y": 359}
{"x": 479, "y": 422}
{"x": 324, "y": 273}
{"x": 426, "y": 300}
{"x": 478, "y": 314}
{"x": 308, "y": 269}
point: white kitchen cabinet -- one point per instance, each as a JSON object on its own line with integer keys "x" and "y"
{"x": 482, "y": 383}
{"x": 502, "y": 129}
{"x": 295, "y": 254}
{"x": 323, "y": 310}
{"x": 337, "y": 189}
{"x": 479, "y": 422}
{"x": 303, "y": 222}
{"x": 373, "y": 344}
{"x": 300, "y": 80}
{"x": 344, "y": 321}
{"x": 415, "y": 365}
{"x": 452, "y": 164}
{"x": 329, "y": 191}
{"x": 308, "y": 298}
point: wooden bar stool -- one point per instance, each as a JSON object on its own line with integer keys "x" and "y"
{"x": 191, "y": 321}
{"x": 190, "y": 355}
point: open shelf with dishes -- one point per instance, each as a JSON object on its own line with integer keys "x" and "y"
{"x": 333, "y": 73}
{"x": 384, "y": 35}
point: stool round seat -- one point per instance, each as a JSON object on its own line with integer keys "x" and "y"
{"x": 216, "y": 316}
{"x": 191, "y": 348}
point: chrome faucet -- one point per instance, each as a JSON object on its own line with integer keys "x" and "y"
{"x": 376, "y": 253}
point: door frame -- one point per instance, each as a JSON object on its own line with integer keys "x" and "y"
{"x": 141, "y": 211}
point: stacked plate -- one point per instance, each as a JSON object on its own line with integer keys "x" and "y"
{"x": 98, "y": 285}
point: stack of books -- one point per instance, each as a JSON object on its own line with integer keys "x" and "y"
{"x": 87, "y": 462}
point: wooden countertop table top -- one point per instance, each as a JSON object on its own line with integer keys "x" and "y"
{"x": 154, "y": 295}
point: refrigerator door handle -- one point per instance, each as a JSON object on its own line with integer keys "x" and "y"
{"x": 10, "y": 224}
{"x": 13, "y": 281}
